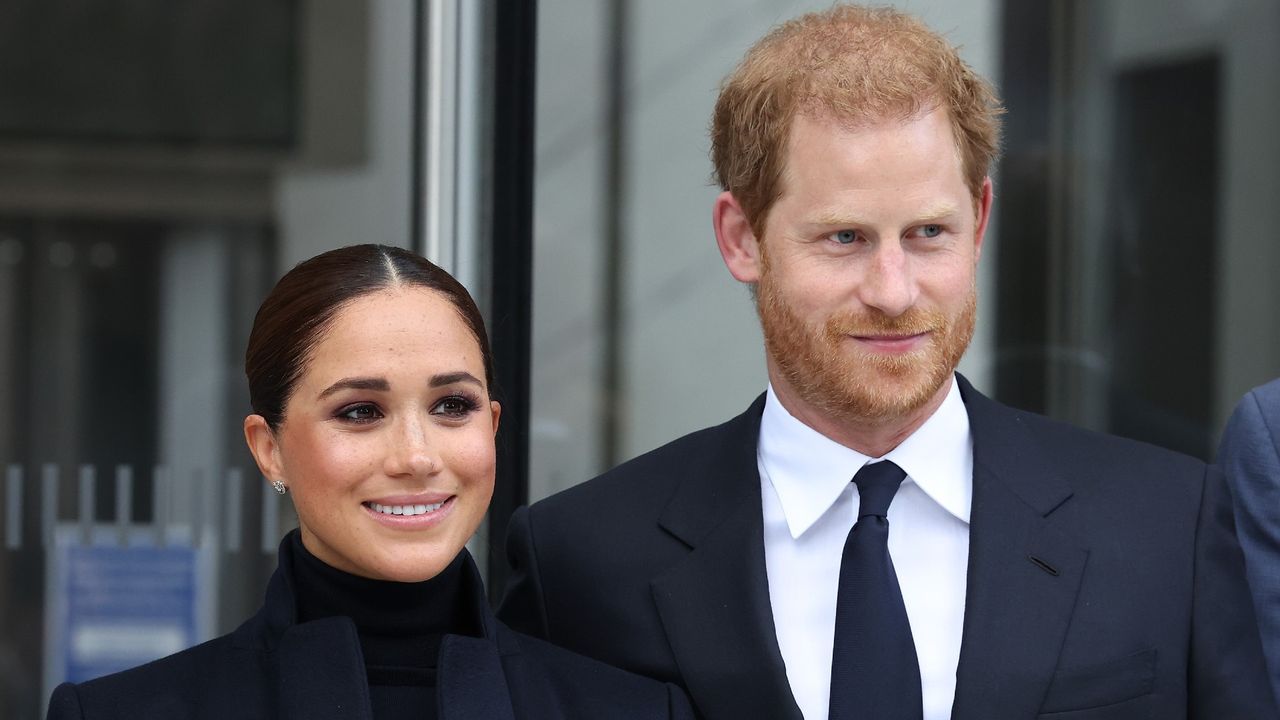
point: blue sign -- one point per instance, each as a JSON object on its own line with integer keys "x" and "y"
{"x": 115, "y": 607}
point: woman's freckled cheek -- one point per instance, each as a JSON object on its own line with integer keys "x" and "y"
{"x": 340, "y": 459}
{"x": 478, "y": 457}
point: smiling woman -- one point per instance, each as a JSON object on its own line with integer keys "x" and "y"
{"x": 369, "y": 377}
{"x": 386, "y": 441}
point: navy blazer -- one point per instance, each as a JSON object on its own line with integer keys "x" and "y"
{"x": 275, "y": 667}
{"x": 1104, "y": 579}
{"x": 1250, "y": 458}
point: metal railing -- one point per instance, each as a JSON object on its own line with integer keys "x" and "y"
{"x": 205, "y": 513}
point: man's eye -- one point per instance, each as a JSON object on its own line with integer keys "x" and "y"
{"x": 844, "y": 237}
{"x": 931, "y": 231}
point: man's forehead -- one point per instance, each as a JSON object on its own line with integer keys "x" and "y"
{"x": 808, "y": 126}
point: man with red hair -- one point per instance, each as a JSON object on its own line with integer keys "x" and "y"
{"x": 874, "y": 538}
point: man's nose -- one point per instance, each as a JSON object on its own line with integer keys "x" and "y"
{"x": 888, "y": 283}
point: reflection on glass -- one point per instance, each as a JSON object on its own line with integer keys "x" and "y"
{"x": 160, "y": 163}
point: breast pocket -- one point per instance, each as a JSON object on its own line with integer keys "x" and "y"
{"x": 1116, "y": 690}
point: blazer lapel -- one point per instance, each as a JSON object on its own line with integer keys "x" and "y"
{"x": 471, "y": 682}
{"x": 1024, "y": 573}
{"x": 319, "y": 669}
{"x": 715, "y": 604}
{"x": 321, "y": 672}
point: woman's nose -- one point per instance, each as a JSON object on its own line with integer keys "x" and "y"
{"x": 412, "y": 452}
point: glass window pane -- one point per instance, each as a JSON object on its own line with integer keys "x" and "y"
{"x": 640, "y": 333}
{"x": 1140, "y": 178}
{"x": 161, "y": 164}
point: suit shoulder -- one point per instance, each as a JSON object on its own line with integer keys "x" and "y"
{"x": 649, "y": 479}
{"x": 1268, "y": 392}
{"x": 168, "y": 687}
{"x": 1267, "y": 399}
{"x": 1110, "y": 456}
{"x": 1257, "y": 411}
{"x": 1250, "y": 441}
{"x": 589, "y": 687}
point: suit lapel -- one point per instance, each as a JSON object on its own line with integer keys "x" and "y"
{"x": 320, "y": 666}
{"x": 471, "y": 682}
{"x": 321, "y": 672}
{"x": 1024, "y": 573}
{"x": 715, "y": 605}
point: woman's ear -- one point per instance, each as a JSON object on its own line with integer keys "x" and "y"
{"x": 262, "y": 443}
{"x": 496, "y": 409}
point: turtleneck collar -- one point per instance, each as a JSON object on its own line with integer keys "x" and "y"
{"x": 400, "y": 625}
{"x": 382, "y": 607}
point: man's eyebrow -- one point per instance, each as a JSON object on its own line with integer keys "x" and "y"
{"x": 454, "y": 377}
{"x": 940, "y": 211}
{"x": 355, "y": 383}
{"x": 835, "y": 218}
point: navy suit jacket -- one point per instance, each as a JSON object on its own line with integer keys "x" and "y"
{"x": 275, "y": 667}
{"x": 1104, "y": 580}
{"x": 1250, "y": 457}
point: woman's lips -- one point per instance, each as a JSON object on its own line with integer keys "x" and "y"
{"x": 410, "y": 512}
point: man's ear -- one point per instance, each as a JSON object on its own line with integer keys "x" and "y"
{"x": 735, "y": 238}
{"x": 264, "y": 447}
{"x": 984, "y": 216}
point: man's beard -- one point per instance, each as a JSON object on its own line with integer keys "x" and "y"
{"x": 830, "y": 372}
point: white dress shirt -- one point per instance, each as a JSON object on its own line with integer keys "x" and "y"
{"x": 810, "y": 504}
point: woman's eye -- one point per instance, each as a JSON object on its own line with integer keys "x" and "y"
{"x": 454, "y": 406}
{"x": 360, "y": 413}
{"x": 844, "y": 237}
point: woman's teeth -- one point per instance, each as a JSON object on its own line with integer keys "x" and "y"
{"x": 404, "y": 509}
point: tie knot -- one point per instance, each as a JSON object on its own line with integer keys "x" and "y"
{"x": 877, "y": 484}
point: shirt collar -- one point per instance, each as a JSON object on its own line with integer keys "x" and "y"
{"x": 809, "y": 471}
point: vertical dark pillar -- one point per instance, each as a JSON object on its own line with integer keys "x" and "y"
{"x": 417, "y": 136}
{"x": 511, "y": 318}
{"x": 1023, "y": 188}
{"x": 1164, "y": 226}
{"x": 611, "y": 277}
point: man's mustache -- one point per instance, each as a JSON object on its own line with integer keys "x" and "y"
{"x": 912, "y": 322}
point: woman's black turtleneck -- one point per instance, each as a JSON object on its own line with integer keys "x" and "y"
{"x": 400, "y": 626}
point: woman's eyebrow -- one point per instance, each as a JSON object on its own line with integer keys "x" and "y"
{"x": 355, "y": 383}
{"x": 454, "y": 377}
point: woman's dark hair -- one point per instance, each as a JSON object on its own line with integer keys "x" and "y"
{"x": 294, "y": 317}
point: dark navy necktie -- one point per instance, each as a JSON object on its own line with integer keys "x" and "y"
{"x": 874, "y": 671}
